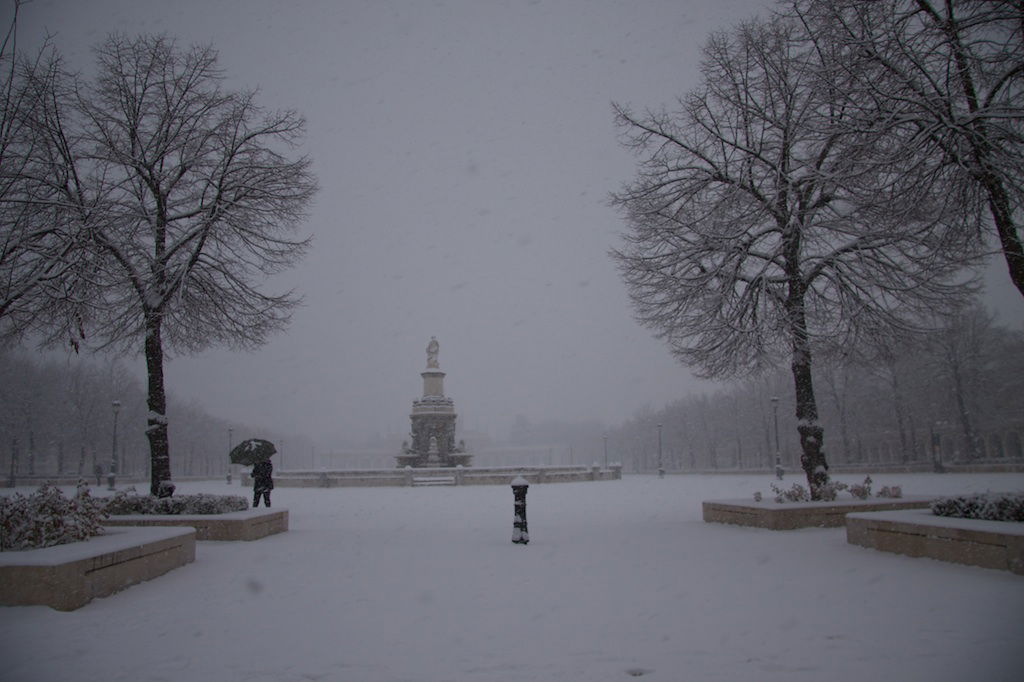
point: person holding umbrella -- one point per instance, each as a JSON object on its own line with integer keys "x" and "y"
{"x": 257, "y": 453}
{"x": 262, "y": 482}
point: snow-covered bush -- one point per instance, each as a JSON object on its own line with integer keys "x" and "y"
{"x": 891, "y": 491}
{"x": 862, "y": 491}
{"x": 797, "y": 493}
{"x": 129, "y": 502}
{"x": 986, "y": 506}
{"x": 830, "y": 492}
{"x": 47, "y": 518}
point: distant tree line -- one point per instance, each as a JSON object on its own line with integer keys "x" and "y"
{"x": 57, "y": 419}
{"x": 957, "y": 394}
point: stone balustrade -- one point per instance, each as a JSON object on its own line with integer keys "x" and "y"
{"x": 407, "y": 476}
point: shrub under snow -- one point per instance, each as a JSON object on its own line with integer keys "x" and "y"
{"x": 47, "y": 518}
{"x": 987, "y": 506}
{"x": 830, "y": 491}
{"x": 128, "y": 502}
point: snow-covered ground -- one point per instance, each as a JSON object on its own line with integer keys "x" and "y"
{"x": 621, "y": 579}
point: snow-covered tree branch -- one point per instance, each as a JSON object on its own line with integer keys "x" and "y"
{"x": 945, "y": 82}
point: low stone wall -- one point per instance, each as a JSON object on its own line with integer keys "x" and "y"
{"x": 67, "y": 577}
{"x": 244, "y": 525}
{"x": 409, "y": 476}
{"x": 919, "y": 533}
{"x": 789, "y": 515}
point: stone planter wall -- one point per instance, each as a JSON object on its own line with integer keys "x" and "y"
{"x": 919, "y": 533}
{"x": 245, "y": 525}
{"x": 789, "y": 515}
{"x": 67, "y": 577}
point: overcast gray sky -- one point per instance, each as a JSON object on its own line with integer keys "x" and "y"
{"x": 465, "y": 151}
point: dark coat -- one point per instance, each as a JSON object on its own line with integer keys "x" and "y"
{"x": 262, "y": 473}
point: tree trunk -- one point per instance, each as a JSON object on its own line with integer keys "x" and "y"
{"x": 839, "y": 400}
{"x": 967, "y": 425}
{"x": 897, "y": 403}
{"x": 963, "y": 413}
{"x": 1009, "y": 240}
{"x": 156, "y": 429}
{"x": 812, "y": 457}
{"x": 14, "y": 463}
{"x": 31, "y": 450}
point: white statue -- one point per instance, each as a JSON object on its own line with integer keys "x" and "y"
{"x": 432, "y": 349}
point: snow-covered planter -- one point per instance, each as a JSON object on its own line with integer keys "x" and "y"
{"x": 986, "y": 506}
{"x": 214, "y": 517}
{"x": 128, "y": 502}
{"x": 46, "y": 518}
{"x": 920, "y": 533}
{"x": 793, "y": 508}
{"x": 68, "y": 576}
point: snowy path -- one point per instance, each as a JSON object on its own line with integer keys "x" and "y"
{"x": 620, "y": 580}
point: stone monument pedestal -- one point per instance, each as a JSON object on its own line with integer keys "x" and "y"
{"x": 433, "y": 423}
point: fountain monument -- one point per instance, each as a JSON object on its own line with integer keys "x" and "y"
{"x": 433, "y": 423}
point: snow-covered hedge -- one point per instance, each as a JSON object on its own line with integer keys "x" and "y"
{"x": 987, "y": 506}
{"x": 46, "y": 518}
{"x": 129, "y": 502}
{"x": 829, "y": 492}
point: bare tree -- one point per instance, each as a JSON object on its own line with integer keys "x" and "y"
{"x": 191, "y": 201}
{"x": 761, "y": 227}
{"x": 835, "y": 372}
{"x": 963, "y": 352}
{"x": 39, "y": 238}
{"x": 946, "y": 80}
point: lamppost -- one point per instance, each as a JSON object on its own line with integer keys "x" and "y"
{"x": 231, "y": 432}
{"x": 661, "y": 468}
{"x": 936, "y": 443}
{"x": 778, "y": 454}
{"x": 116, "y": 406}
{"x": 605, "y": 450}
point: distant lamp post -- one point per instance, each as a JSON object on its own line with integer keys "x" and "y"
{"x": 936, "y": 443}
{"x": 116, "y": 406}
{"x": 661, "y": 468}
{"x": 605, "y": 450}
{"x": 231, "y": 444}
{"x": 778, "y": 453}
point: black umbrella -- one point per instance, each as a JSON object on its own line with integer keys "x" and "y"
{"x": 251, "y": 451}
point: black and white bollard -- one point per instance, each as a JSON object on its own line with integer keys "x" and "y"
{"x": 520, "y": 533}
